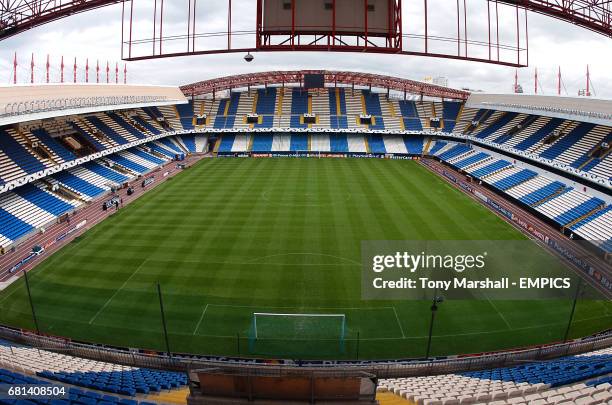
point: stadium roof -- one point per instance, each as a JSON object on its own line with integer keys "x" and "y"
{"x": 31, "y": 102}
{"x": 583, "y": 109}
{"x": 331, "y": 77}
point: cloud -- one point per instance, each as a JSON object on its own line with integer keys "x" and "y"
{"x": 97, "y": 35}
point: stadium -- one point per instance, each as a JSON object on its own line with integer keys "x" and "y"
{"x": 210, "y": 243}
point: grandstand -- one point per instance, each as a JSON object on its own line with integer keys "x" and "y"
{"x": 582, "y": 379}
{"x": 144, "y": 138}
{"x": 210, "y": 243}
{"x": 553, "y": 168}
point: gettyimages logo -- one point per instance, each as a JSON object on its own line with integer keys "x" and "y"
{"x": 414, "y": 263}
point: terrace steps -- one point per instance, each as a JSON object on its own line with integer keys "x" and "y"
{"x": 585, "y": 216}
{"x": 566, "y": 128}
{"x": 388, "y": 398}
{"x": 550, "y": 197}
{"x": 94, "y": 132}
{"x": 427, "y": 146}
{"x": 27, "y": 140}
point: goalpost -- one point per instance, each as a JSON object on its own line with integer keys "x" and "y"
{"x": 297, "y": 334}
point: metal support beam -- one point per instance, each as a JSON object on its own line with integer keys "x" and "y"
{"x": 350, "y": 78}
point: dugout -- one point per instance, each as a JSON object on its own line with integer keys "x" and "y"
{"x": 275, "y": 385}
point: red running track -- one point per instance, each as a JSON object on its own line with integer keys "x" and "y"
{"x": 91, "y": 212}
{"x": 527, "y": 217}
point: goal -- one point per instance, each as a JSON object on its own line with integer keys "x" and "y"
{"x": 297, "y": 334}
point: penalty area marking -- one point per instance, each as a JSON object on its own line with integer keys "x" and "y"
{"x": 398, "y": 322}
{"x": 564, "y": 323}
{"x": 399, "y": 325}
{"x": 200, "y": 321}
{"x": 93, "y": 318}
{"x": 501, "y": 315}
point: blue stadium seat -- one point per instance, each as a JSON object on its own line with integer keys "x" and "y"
{"x": 592, "y": 161}
{"x": 504, "y": 137}
{"x": 161, "y": 150}
{"x": 105, "y": 172}
{"x": 227, "y": 141}
{"x": 564, "y": 371}
{"x": 266, "y": 101}
{"x": 437, "y": 146}
{"x": 376, "y": 143}
{"x": 232, "y": 109}
{"x": 262, "y": 143}
{"x": 579, "y": 211}
{"x": 170, "y": 145}
{"x": 267, "y": 121}
{"x": 455, "y": 151}
{"x": 127, "y": 126}
{"x": 185, "y": 112}
{"x": 490, "y": 169}
{"x": 333, "y": 105}
{"x": 128, "y": 382}
{"x": 42, "y": 199}
{"x": 542, "y": 193}
{"x": 337, "y": 122}
{"x": 106, "y": 130}
{"x": 78, "y": 184}
{"x": 18, "y": 154}
{"x": 481, "y": 115}
{"x": 412, "y": 124}
{"x": 299, "y": 106}
{"x": 475, "y": 158}
{"x": 408, "y": 109}
{"x": 299, "y": 142}
{"x": 414, "y": 144}
{"x": 81, "y": 396}
{"x": 13, "y": 227}
{"x": 93, "y": 141}
{"x": 372, "y": 105}
{"x": 591, "y": 217}
{"x": 220, "y": 118}
{"x": 450, "y": 111}
{"x": 123, "y": 161}
{"x": 490, "y": 129}
{"x": 153, "y": 112}
{"x": 52, "y": 144}
{"x": 515, "y": 179}
{"x": 189, "y": 142}
{"x": 146, "y": 125}
{"x": 338, "y": 143}
{"x": 567, "y": 141}
{"x": 146, "y": 156}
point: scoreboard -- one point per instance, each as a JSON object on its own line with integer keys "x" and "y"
{"x": 349, "y": 16}
{"x": 329, "y": 24}
{"x": 314, "y": 81}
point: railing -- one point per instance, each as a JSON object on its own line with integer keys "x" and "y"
{"x": 43, "y": 105}
{"x": 382, "y": 369}
{"x": 560, "y": 110}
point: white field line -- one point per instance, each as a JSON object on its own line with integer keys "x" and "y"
{"x": 91, "y": 321}
{"x": 398, "y": 322}
{"x": 498, "y": 312}
{"x": 383, "y": 338}
{"x": 295, "y": 307}
{"x": 201, "y": 319}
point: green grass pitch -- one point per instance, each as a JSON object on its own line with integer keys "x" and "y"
{"x": 230, "y": 237}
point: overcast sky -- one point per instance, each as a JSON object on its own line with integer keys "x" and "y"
{"x": 97, "y": 35}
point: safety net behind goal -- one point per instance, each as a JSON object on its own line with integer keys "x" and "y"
{"x": 297, "y": 335}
